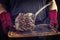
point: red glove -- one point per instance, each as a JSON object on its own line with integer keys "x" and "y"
{"x": 53, "y": 18}
{"x": 6, "y": 21}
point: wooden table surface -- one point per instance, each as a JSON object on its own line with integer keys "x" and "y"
{"x": 33, "y": 33}
{"x": 15, "y": 34}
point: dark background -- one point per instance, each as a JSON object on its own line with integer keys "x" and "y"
{"x": 18, "y": 6}
{"x": 9, "y": 7}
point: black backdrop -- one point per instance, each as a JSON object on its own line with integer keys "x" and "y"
{"x": 58, "y": 4}
{"x": 24, "y": 6}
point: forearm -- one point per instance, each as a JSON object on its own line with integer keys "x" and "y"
{"x": 53, "y": 5}
{"x": 53, "y": 15}
{"x": 6, "y": 21}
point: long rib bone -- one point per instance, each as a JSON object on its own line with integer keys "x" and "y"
{"x": 42, "y": 9}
